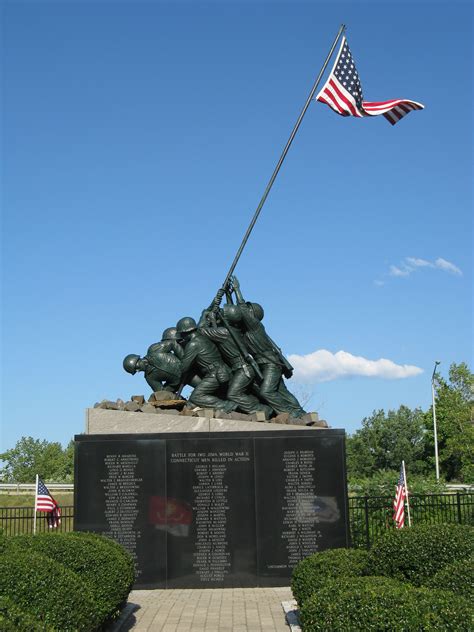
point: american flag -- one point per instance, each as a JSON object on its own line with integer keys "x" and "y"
{"x": 399, "y": 502}
{"x": 45, "y": 502}
{"x": 343, "y": 92}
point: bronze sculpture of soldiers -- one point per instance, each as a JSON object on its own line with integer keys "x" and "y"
{"x": 227, "y": 357}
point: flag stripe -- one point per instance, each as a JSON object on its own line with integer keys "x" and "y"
{"x": 349, "y": 106}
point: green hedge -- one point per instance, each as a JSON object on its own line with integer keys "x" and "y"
{"x": 44, "y": 589}
{"x": 382, "y": 604}
{"x": 457, "y": 577}
{"x": 415, "y": 554}
{"x": 314, "y": 571}
{"x": 13, "y": 619}
{"x": 105, "y": 567}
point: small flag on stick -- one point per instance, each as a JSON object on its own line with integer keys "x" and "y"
{"x": 45, "y": 502}
{"x": 343, "y": 93}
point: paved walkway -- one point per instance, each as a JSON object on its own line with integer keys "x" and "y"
{"x": 208, "y": 610}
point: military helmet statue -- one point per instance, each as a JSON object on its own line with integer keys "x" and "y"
{"x": 232, "y": 314}
{"x": 169, "y": 333}
{"x": 130, "y": 363}
{"x": 257, "y": 310}
{"x": 186, "y": 325}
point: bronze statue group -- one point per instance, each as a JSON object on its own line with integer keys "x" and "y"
{"x": 227, "y": 358}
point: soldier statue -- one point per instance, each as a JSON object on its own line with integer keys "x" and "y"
{"x": 162, "y": 364}
{"x": 169, "y": 344}
{"x": 162, "y": 370}
{"x": 271, "y": 361}
{"x": 243, "y": 374}
{"x": 201, "y": 355}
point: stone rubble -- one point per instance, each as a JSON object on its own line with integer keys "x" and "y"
{"x": 163, "y": 402}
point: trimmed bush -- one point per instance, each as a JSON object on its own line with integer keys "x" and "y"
{"x": 44, "y": 589}
{"x": 415, "y": 554}
{"x": 13, "y": 619}
{"x": 314, "y": 571}
{"x": 102, "y": 564}
{"x": 382, "y": 604}
{"x": 457, "y": 577}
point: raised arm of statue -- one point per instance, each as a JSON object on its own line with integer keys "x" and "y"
{"x": 237, "y": 292}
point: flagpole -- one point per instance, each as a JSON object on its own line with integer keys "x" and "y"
{"x": 282, "y": 158}
{"x": 406, "y": 493}
{"x": 36, "y": 498}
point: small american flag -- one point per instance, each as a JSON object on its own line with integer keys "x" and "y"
{"x": 399, "y": 502}
{"x": 45, "y": 502}
{"x": 343, "y": 92}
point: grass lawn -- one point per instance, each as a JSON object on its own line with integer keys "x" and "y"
{"x": 10, "y": 499}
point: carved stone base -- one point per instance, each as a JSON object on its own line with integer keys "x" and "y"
{"x": 106, "y": 421}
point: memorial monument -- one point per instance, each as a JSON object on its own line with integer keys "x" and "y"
{"x": 231, "y": 486}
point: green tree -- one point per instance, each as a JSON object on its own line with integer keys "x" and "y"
{"x": 33, "y": 456}
{"x": 385, "y": 440}
{"x": 455, "y": 426}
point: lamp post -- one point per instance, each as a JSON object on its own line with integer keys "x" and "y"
{"x": 435, "y": 433}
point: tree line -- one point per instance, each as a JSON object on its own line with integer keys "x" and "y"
{"x": 374, "y": 452}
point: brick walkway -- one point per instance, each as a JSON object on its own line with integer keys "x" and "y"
{"x": 208, "y": 610}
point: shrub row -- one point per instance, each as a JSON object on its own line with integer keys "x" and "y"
{"x": 457, "y": 577}
{"x": 68, "y": 582}
{"x": 13, "y": 619}
{"x": 312, "y": 573}
{"x": 427, "y": 570}
{"x": 383, "y": 604}
{"x": 415, "y": 554}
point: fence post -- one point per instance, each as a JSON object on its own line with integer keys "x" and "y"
{"x": 366, "y": 507}
{"x": 458, "y": 499}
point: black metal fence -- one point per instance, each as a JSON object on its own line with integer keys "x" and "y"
{"x": 16, "y": 520}
{"x": 369, "y": 516}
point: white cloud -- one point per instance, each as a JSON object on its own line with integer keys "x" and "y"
{"x": 400, "y": 272}
{"x": 324, "y": 366}
{"x": 447, "y": 266}
{"x": 418, "y": 263}
{"x": 411, "y": 264}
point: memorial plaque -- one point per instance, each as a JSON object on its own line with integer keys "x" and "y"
{"x": 120, "y": 496}
{"x": 214, "y": 509}
{"x": 301, "y": 500}
{"x": 212, "y": 482}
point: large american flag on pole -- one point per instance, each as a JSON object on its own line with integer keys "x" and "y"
{"x": 45, "y": 502}
{"x": 399, "y": 502}
{"x": 343, "y": 92}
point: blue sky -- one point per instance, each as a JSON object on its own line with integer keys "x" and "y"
{"x": 138, "y": 138}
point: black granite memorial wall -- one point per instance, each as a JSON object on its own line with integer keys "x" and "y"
{"x": 214, "y": 509}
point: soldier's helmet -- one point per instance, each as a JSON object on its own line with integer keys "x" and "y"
{"x": 232, "y": 314}
{"x": 185, "y": 325}
{"x": 169, "y": 333}
{"x": 130, "y": 363}
{"x": 257, "y": 310}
